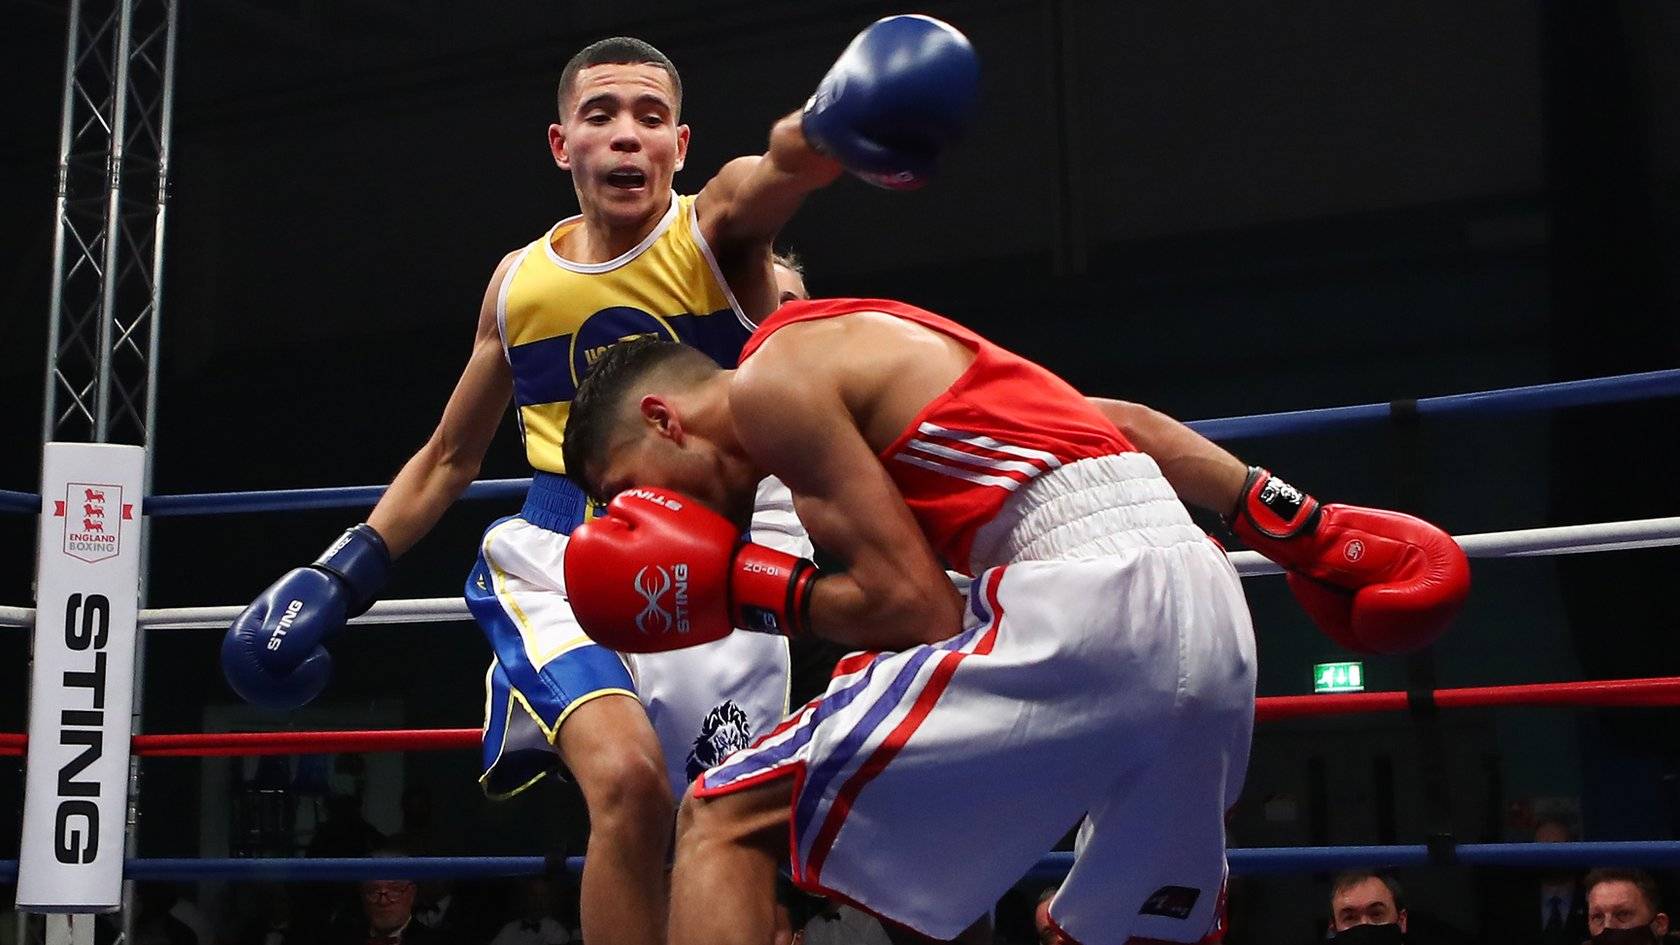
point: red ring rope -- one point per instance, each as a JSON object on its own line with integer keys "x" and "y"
{"x": 1655, "y": 692}
{"x": 305, "y": 743}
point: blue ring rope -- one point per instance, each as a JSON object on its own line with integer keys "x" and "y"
{"x": 1251, "y": 861}
{"x": 287, "y": 500}
{"x": 21, "y": 503}
{"x": 1598, "y": 390}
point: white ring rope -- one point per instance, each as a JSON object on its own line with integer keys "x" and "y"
{"x": 1533, "y": 542}
{"x": 412, "y": 610}
{"x": 1521, "y": 543}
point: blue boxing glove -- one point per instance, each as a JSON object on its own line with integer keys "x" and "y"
{"x": 900, "y": 93}
{"x": 273, "y": 654}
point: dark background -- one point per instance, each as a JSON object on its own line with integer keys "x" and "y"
{"x": 1214, "y": 208}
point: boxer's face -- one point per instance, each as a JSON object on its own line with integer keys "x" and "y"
{"x": 664, "y": 453}
{"x": 621, "y": 141}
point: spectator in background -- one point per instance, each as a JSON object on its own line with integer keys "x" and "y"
{"x": 1537, "y": 907}
{"x": 1624, "y": 908}
{"x": 387, "y": 917}
{"x": 1366, "y": 908}
{"x": 1563, "y": 899}
{"x": 536, "y": 924}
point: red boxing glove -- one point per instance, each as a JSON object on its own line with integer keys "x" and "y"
{"x": 659, "y": 572}
{"x": 1374, "y": 581}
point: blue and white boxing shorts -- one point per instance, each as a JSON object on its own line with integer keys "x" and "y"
{"x": 704, "y": 702}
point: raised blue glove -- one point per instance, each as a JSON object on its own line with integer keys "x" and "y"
{"x": 273, "y": 654}
{"x": 900, "y": 93}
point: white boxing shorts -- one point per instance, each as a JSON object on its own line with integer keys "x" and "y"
{"x": 704, "y": 702}
{"x": 1117, "y": 686}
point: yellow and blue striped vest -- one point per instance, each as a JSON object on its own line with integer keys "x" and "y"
{"x": 557, "y": 316}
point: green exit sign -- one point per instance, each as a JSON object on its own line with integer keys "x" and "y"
{"x": 1339, "y": 677}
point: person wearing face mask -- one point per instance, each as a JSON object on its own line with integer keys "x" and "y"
{"x": 1623, "y": 908}
{"x": 1366, "y": 909}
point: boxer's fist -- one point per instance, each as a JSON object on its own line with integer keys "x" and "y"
{"x": 273, "y": 655}
{"x": 1374, "y": 581}
{"x": 659, "y": 571}
{"x": 895, "y": 99}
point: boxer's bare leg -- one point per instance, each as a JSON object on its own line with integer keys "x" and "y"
{"x": 723, "y": 890}
{"x": 611, "y": 750}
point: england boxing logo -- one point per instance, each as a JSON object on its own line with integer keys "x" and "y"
{"x": 725, "y": 730}
{"x": 652, "y": 582}
{"x": 93, "y": 514}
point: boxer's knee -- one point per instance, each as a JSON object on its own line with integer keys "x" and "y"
{"x": 627, "y": 791}
{"x": 613, "y": 754}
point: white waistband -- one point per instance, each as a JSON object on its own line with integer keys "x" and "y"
{"x": 1086, "y": 509}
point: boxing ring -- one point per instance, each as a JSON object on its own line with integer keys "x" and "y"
{"x": 1536, "y": 542}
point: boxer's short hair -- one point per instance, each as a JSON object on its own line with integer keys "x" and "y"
{"x": 598, "y": 409}
{"x": 615, "y": 50}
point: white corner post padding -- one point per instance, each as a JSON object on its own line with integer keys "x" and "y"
{"x": 81, "y": 683}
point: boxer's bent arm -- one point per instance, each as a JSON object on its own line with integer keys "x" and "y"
{"x": 752, "y": 198}
{"x": 437, "y": 475}
{"x": 1203, "y": 474}
{"x": 893, "y": 593}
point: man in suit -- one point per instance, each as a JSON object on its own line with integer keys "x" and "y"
{"x": 1538, "y": 907}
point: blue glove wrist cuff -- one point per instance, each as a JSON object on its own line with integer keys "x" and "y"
{"x": 359, "y": 557}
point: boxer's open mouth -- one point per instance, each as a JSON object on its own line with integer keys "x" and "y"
{"x": 627, "y": 178}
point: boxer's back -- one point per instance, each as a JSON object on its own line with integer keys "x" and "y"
{"x": 1004, "y": 430}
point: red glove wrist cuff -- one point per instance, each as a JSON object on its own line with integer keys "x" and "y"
{"x": 770, "y": 591}
{"x": 1271, "y": 515}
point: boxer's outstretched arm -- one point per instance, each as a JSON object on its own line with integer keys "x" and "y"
{"x": 1203, "y": 474}
{"x": 437, "y": 475}
{"x": 752, "y": 198}
{"x": 893, "y": 592}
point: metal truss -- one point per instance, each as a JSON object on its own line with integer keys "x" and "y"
{"x": 104, "y": 316}
{"x": 113, "y": 186}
